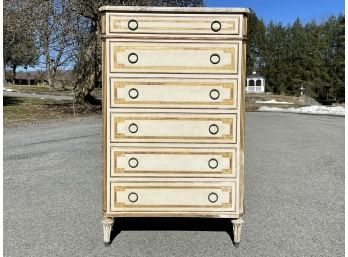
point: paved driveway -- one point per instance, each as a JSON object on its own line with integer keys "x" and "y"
{"x": 33, "y": 95}
{"x": 294, "y": 198}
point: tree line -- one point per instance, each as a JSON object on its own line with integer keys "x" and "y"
{"x": 299, "y": 55}
{"x": 65, "y": 34}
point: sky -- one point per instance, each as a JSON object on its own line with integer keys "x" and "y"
{"x": 286, "y": 11}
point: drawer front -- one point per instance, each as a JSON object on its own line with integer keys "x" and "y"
{"x": 143, "y": 127}
{"x": 174, "y": 57}
{"x": 171, "y": 24}
{"x": 173, "y": 92}
{"x": 173, "y": 162}
{"x": 152, "y": 196}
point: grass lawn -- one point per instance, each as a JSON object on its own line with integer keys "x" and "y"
{"x": 44, "y": 89}
{"x": 31, "y": 110}
{"x": 23, "y": 109}
{"x": 39, "y": 89}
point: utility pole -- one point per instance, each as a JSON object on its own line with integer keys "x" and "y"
{"x": 29, "y": 81}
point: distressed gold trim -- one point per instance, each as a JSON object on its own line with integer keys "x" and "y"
{"x": 122, "y": 84}
{"x": 103, "y": 24}
{"x": 117, "y": 188}
{"x": 116, "y": 25}
{"x": 228, "y": 121}
{"x": 118, "y": 49}
{"x": 225, "y": 155}
{"x": 104, "y": 128}
{"x": 245, "y": 27}
{"x": 242, "y": 127}
{"x": 182, "y": 214}
{"x": 231, "y": 24}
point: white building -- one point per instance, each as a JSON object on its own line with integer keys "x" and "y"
{"x": 255, "y": 84}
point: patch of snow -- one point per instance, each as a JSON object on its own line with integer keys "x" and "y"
{"x": 42, "y": 98}
{"x": 314, "y": 109}
{"x": 9, "y": 90}
{"x": 273, "y": 101}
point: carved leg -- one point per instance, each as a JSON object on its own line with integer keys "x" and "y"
{"x": 107, "y": 226}
{"x": 237, "y": 228}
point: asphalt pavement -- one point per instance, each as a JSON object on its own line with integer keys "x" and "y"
{"x": 294, "y": 194}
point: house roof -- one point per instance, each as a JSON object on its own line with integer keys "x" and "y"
{"x": 254, "y": 75}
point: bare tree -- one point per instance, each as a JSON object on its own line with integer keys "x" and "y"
{"x": 88, "y": 62}
{"x": 67, "y": 33}
{"x": 53, "y": 22}
{"x": 19, "y": 42}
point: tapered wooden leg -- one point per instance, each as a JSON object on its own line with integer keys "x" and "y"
{"x": 237, "y": 229}
{"x": 107, "y": 227}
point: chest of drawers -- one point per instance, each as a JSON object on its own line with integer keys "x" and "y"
{"x": 173, "y": 113}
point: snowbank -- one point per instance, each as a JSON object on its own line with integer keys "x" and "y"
{"x": 273, "y": 101}
{"x": 9, "y": 90}
{"x": 314, "y": 109}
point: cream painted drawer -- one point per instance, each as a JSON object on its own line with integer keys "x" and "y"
{"x": 174, "y": 57}
{"x": 174, "y": 92}
{"x": 173, "y": 24}
{"x": 171, "y": 127}
{"x": 169, "y": 196}
{"x": 203, "y": 162}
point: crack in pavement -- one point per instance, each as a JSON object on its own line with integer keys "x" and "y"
{"x": 53, "y": 140}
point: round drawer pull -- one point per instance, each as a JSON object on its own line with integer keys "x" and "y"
{"x": 213, "y": 129}
{"x": 133, "y": 93}
{"x": 215, "y": 26}
{"x": 214, "y": 94}
{"x": 133, "y": 197}
{"x": 214, "y": 58}
{"x": 133, "y": 128}
{"x": 213, "y": 197}
{"x": 213, "y": 163}
{"x": 133, "y": 162}
{"x": 133, "y": 25}
{"x": 132, "y": 57}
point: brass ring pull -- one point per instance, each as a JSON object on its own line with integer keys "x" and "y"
{"x": 213, "y": 163}
{"x": 214, "y": 58}
{"x": 215, "y": 26}
{"x": 133, "y": 162}
{"x": 133, "y": 93}
{"x": 133, "y": 25}
{"x": 213, "y": 197}
{"x": 213, "y": 129}
{"x": 133, "y": 197}
{"x": 133, "y": 128}
{"x": 132, "y": 58}
{"x": 214, "y": 94}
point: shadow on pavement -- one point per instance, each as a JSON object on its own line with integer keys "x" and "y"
{"x": 176, "y": 224}
{"x": 9, "y": 100}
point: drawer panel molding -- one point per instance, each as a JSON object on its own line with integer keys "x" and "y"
{"x": 174, "y": 92}
{"x": 152, "y": 196}
{"x": 171, "y": 24}
{"x": 173, "y": 162}
{"x": 143, "y": 127}
{"x": 174, "y": 57}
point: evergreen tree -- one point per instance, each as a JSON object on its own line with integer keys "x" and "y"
{"x": 309, "y": 55}
{"x": 338, "y": 63}
{"x": 275, "y": 66}
{"x": 256, "y": 42}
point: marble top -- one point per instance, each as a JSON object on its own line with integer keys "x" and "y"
{"x": 172, "y": 9}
